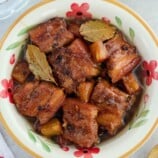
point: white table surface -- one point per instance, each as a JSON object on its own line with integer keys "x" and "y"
{"x": 148, "y": 9}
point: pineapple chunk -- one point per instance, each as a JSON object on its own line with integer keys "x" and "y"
{"x": 51, "y": 128}
{"x": 21, "y": 71}
{"x": 131, "y": 84}
{"x": 85, "y": 90}
{"x": 98, "y": 51}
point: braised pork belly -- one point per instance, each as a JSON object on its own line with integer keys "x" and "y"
{"x": 80, "y": 125}
{"x": 106, "y": 93}
{"x": 70, "y": 86}
{"x": 123, "y": 57}
{"x": 51, "y": 34}
{"x": 73, "y": 65}
{"x": 111, "y": 117}
{"x": 40, "y": 100}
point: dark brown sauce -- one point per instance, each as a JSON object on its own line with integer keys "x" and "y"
{"x": 103, "y": 134}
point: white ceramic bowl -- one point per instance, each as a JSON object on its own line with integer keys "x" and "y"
{"x": 136, "y": 30}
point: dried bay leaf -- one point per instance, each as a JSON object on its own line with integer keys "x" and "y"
{"x": 95, "y": 30}
{"x": 38, "y": 64}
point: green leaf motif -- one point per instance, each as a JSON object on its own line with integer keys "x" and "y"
{"x": 140, "y": 119}
{"x": 14, "y": 45}
{"x": 45, "y": 146}
{"x": 144, "y": 113}
{"x": 131, "y": 33}
{"x": 31, "y": 136}
{"x": 37, "y": 138}
{"x": 25, "y": 30}
{"x": 138, "y": 124}
{"x": 118, "y": 21}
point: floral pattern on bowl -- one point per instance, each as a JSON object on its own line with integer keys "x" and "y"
{"x": 86, "y": 152}
{"x": 149, "y": 72}
{"x": 79, "y": 11}
{"x": 6, "y": 92}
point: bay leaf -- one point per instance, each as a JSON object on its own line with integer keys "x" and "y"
{"x": 95, "y": 30}
{"x": 38, "y": 64}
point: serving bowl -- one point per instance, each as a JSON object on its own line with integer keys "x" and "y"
{"x": 136, "y": 31}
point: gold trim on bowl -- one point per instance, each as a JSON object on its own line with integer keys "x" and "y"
{"x": 43, "y": 2}
{"x": 17, "y": 140}
{"x": 130, "y": 11}
{"x": 136, "y": 147}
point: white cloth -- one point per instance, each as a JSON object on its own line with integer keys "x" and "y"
{"x": 5, "y": 152}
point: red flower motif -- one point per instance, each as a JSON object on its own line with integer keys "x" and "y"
{"x": 86, "y": 152}
{"x": 149, "y": 71}
{"x": 7, "y": 91}
{"x": 65, "y": 148}
{"x": 106, "y": 20}
{"x": 1, "y": 157}
{"x": 12, "y": 59}
{"x": 79, "y": 12}
{"x": 146, "y": 98}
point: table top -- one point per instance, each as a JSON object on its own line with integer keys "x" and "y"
{"x": 145, "y": 8}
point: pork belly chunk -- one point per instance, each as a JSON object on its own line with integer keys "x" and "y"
{"x": 113, "y": 104}
{"x": 51, "y": 34}
{"x": 40, "y": 100}
{"x": 123, "y": 57}
{"x": 81, "y": 61}
{"x": 106, "y": 93}
{"x": 59, "y": 60}
{"x": 21, "y": 71}
{"x": 80, "y": 125}
{"x": 72, "y": 65}
{"x": 22, "y": 95}
{"x": 111, "y": 117}
{"x": 53, "y": 105}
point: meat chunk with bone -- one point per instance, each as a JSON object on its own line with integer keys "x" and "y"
{"x": 72, "y": 65}
{"x": 123, "y": 57}
{"x": 80, "y": 125}
{"x": 40, "y": 100}
{"x": 106, "y": 93}
{"x": 51, "y": 34}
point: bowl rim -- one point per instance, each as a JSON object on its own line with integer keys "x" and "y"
{"x": 118, "y": 4}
